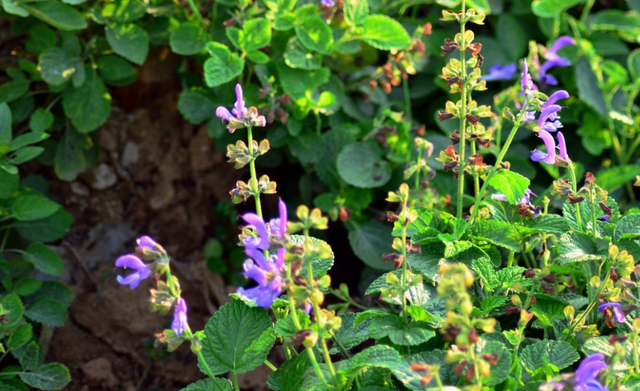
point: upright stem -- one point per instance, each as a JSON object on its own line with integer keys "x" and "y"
{"x": 213, "y": 377}
{"x": 196, "y": 12}
{"x": 419, "y": 168}
{"x": 407, "y": 97}
{"x": 476, "y": 177}
{"x": 235, "y": 382}
{"x": 316, "y": 311}
{"x": 254, "y": 178}
{"x": 463, "y": 112}
{"x": 405, "y": 313}
{"x": 496, "y": 166}
{"x": 594, "y": 219}
{"x": 574, "y": 185}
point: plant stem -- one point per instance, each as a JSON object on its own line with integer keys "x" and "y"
{"x": 586, "y": 10}
{"x": 503, "y": 152}
{"x": 269, "y": 365}
{"x": 213, "y": 377}
{"x": 316, "y": 311}
{"x": 511, "y": 257}
{"x": 594, "y": 219}
{"x": 235, "y": 382}
{"x": 419, "y": 168}
{"x": 474, "y": 171}
{"x": 591, "y": 306}
{"x": 254, "y": 178}
{"x": 405, "y": 313}
{"x": 407, "y": 97}
{"x": 463, "y": 112}
{"x": 170, "y": 282}
{"x": 196, "y": 12}
{"x": 574, "y": 185}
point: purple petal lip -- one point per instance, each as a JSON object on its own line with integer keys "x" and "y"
{"x": 550, "y": 156}
{"x": 499, "y": 72}
{"x": 604, "y": 218}
{"x": 222, "y": 112}
{"x": 562, "y": 146}
{"x": 146, "y": 242}
{"x": 283, "y": 217}
{"x": 603, "y": 306}
{"x": 131, "y": 261}
{"x": 588, "y": 371}
{"x": 239, "y": 107}
{"x": 258, "y": 224}
{"x": 617, "y": 311}
{"x": 179, "y": 323}
{"x": 560, "y": 43}
{"x": 556, "y": 96}
{"x": 548, "y": 113}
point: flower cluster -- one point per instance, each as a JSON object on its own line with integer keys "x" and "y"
{"x": 615, "y": 307}
{"x": 585, "y": 378}
{"x": 548, "y": 122}
{"x": 240, "y": 117}
{"x": 149, "y": 249}
{"x": 266, "y": 271}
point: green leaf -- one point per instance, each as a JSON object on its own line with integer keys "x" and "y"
{"x": 615, "y": 20}
{"x": 27, "y": 286}
{"x": 25, "y": 154}
{"x": 222, "y": 66}
{"x": 89, "y": 105}
{"x": 5, "y": 124}
{"x": 187, "y": 39}
{"x": 45, "y": 230}
{"x": 484, "y": 269}
{"x": 13, "y": 304}
{"x": 415, "y": 333}
{"x": 116, "y": 70}
{"x": 298, "y": 83}
{"x": 8, "y": 184}
{"x": 548, "y": 309}
{"x": 13, "y": 90}
{"x": 369, "y": 242}
{"x": 615, "y": 177}
{"x": 497, "y": 232}
{"x": 320, "y": 265}
{"x": 290, "y": 375}
{"x": 286, "y": 327}
{"x": 589, "y": 88}
{"x": 574, "y": 247}
{"x": 44, "y": 259}
{"x": 546, "y": 224}
{"x": 540, "y": 354}
{"x": 32, "y": 357}
{"x": 73, "y": 154}
{"x": 349, "y": 334}
{"x": 123, "y": 11}
{"x": 380, "y": 356}
{"x": 238, "y": 338}
{"x": 355, "y": 11}
{"x": 56, "y": 66}
{"x": 633, "y": 63}
{"x": 499, "y": 371}
{"x": 32, "y": 207}
{"x": 305, "y": 147}
{"x": 256, "y": 34}
{"x": 551, "y": 8}
{"x": 128, "y": 40}
{"x": 13, "y": 7}
{"x": 57, "y": 291}
{"x": 385, "y": 33}
{"x": 297, "y": 56}
{"x": 40, "y": 39}
{"x": 258, "y": 57}
{"x": 40, "y": 121}
{"x": 627, "y": 227}
{"x": 47, "y": 311}
{"x": 216, "y": 384}
{"x": 594, "y": 137}
{"x": 196, "y": 105}
{"x": 52, "y": 376}
{"x": 413, "y": 380}
{"x": 511, "y": 184}
{"x": 512, "y": 27}
{"x": 315, "y": 34}
{"x": 20, "y": 336}
{"x": 56, "y": 14}
{"x": 360, "y": 165}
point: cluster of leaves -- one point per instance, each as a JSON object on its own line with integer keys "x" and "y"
{"x": 29, "y": 301}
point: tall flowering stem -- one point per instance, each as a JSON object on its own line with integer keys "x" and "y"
{"x": 574, "y": 185}
{"x": 463, "y": 112}
{"x": 252, "y": 169}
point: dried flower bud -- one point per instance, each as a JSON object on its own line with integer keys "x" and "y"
{"x": 573, "y": 199}
{"x": 613, "y": 339}
{"x": 473, "y": 119}
{"x": 443, "y": 115}
{"x": 510, "y": 310}
{"x": 529, "y": 273}
{"x": 449, "y": 46}
{"x": 392, "y": 217}
{"x": 419, "y": 367}
{"x": 589, "y": 178}
{"x": 474, "y": 48}
{"x": 551, "y": 278}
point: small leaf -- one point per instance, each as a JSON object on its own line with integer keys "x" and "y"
{"x": 196, "y": 105}
{"x": 40, "y": 121}
{"x": 559, "y": 353}
{"x": 56, "y": 66}
{"x": 187, "y": 39}
{"x": 128, "y": 40}
{"x": 44, "y": 259}
{"x": 349, "y": 334}
{"x": 315, "y": 34}
{"x": 222, "y": 66}
{"x": 369, "y": 242}
{"x": 31, "y": 207}
{"x": 385, "y": 33}
{"x": 20, "y": 336}
{"x": 627, "y": 227}
{"x": 256, "y": 34}
{"x": 589, "y": 88}
{"x": 5, "y": 124}
{"x": 45, "y": 230}
{"x": 57, "y": 14}
{"x": 511, "y": 184}
{"x": 116, "y": 70}
{"x": 298, "y": 56}
{"x": 47, "y": 311}
{"x": 89, "y": 105}
{"x": 13, "y": 304}
{"x": 52, "y": 376}
{"x": 360, "y": 165}
{"x": 497, "y": 232}
{"x": 216, "y": 384}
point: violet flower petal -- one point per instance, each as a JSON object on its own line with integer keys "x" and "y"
{"x": 131, "y": 261}
{"x": 559, "y": 44}
{"x": 146, "y": 242}
{"x": 258, "y": 224}
{"x": 222, "y": 112}
{"x": 499, "y": 72}
{"x": 179, "y": 324}
{"x": 550, "y": 156}
{"x": 562, "y": 146}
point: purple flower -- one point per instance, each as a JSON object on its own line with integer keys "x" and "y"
{"x": 549, "y": 113}
{"x": 617, "y": 312}
{"x": 133, "y": 262}
{"x": 278, "y": 226}
{"x": 587, "y": 373}
{"x": 255, "y": 222}
{"x": 239, "y": 116}
{"x": 499, "y": 72}
{"x": 179, "y": 324}
{"x": 525, "y": 199}
{"x": 267, "y": 273}
{"x": 553, "y": 60}
{"x": 239, "y": 108}
{"x": 562, "y": 147}
{"x": 146, "y": 243}
{"x": 525, "y": 81}
{"x": 549, "y": 142}
{"x": 604, "y": 218}
{"x": 328, "y": 3}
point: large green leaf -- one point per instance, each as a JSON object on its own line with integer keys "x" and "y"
{"x": 216, "y": 384}
{"x": 47, "y": 311}
{"x": 57, "y": 66}
{"x": 615, "y": 20}
{"x": 392, "y": 326}
{"x": 575, "y": 247}
{"x": 57, "y": 14}
{"x": 20, "y": 336}
{"x": 385, "y": 33}
{"x": 44, "y": 259}
{"x": 380, "y": 356}
{"x": 360, "y": 165}
{"x": 320, "y": 265}
{"x": 238, "y": 338}
{"x": 615, "y": 177}
{"x": 116, "y": 70}
{"x": 627, "y": 227}
{"x": 497, "y": 232}
{"x": 315, "y": 34}
{"x": 349, "y": 334}
{"x": 290, "y": 375}
{"x": 256, "y": 34}
{"x": 551, "y": 8}
{"x": 559, "y": 353}
{"x": 196, "y": 105}
{"x": 187, "y": 39}
{"x": 52, "y": 376}
{"x": 33, "y": 207}
{"x": 355, "y": 11}
{"x": 89, "y": 105}
{"x": 222, "y": 66}
{"x": 511, "y": 184}
{"x": 128, "y": 40}
{"x": 5, "y": 125}
{"x": 45, "y": 230}
{"x": 369, "y": 242}
{"x": 589, "y": 88}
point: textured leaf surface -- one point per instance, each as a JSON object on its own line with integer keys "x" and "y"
{"x": 52, "y": 376}
{"x": 369, "y": 242}
{"x": 32, "y": 207}
{"x": 385, "y": 33}
{"x": 222, "y": 66}
{"x": 359, "y": 164}
{"x": 129, "y": 40}
{"x": 497, "y": 232}
{"x": 44, "y": 259}
{"x": 559, "y": 353}
{"x": 187, "y": 39}
{"x": 511, "y": 184}
{"x": 89, "y": 105}
{"x": 47, "y": 311}
{"x": 210, "y": 385}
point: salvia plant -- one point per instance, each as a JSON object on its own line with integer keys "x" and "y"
{"x": 504, "y": 294}
{"x": 502, "y": 268}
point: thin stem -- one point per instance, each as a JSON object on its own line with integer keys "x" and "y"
{"x": 590, "y": 307}
{"x": 511, "y": 257}
{"x": 405, "y": 312}
{"x": 236, "y": 386}
{"x": 254, "y": 178}
{"x": 419, "y": 168}
{"x": 196, "y": 12}
{"x": 636, "y": 360}
{"x": 574, "y": 185}
{"x": 496, "y": 166}
{"x": 594, "y": 219}
{"x": 586, "y": 10}
{"x": 318, "y": 123}
{"x": 269, "y": 365}
{"x": 170, "y": 282}
{"x": 213, "y": 377}
{"x": 407, "y": 97}
{"x": 476, "y": 177}
{"x": 463, "y": 112}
